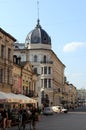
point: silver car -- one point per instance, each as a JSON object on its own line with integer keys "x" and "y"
{"x": 48, "y": 111}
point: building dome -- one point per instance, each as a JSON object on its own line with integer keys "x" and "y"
{"x": 38, "y": 36}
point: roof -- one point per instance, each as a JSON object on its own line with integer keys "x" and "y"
{"x": 38, "y": 35}
{"x": 1, "y": 30}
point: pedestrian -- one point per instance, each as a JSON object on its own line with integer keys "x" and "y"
{"x": 4, "y": 115}
{"x": 1, "y": 119}
{"x": 9, "y": 119}
{"x": 33, "y": 116}
{"x": 22, "y": 117}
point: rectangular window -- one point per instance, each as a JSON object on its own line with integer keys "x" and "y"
{"x": 45, "y": 83}
{"x": 42, "y": 83}
{"x": 49, "y": 83}
{"x": 8, "y": 77}
{"x": 29, "y": 84}
{"x": 45, "y": 70}
{"x": 9, "y": 54}
{"x": 1, "y": 75}
{"x": 41, "y": 70}
{"x": 35, "y": 58}
{"x": 27, "y": 91}
{"x": 2, "y": 51}
{"x": 49, "y": 70}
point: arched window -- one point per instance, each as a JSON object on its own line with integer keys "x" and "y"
{"x": 44, "y": 59}
{"x": 35, "y": 58}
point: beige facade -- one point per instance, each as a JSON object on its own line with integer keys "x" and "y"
{"x": 57, "y": 76}
{"x": 69, "y": 96}
{"x": 16, "y": 79}
{"x": 50, "y": 70}
{"x": 24, "y": 79}
{"x": 6, "y": 61}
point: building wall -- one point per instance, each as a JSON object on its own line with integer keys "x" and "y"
{"x": 6, "y": 61}
{"x": 69, "y": 97}
{"x": 54, "y": 91}
{"x": 17, "y": 81}
{"x": 24, "y": 80}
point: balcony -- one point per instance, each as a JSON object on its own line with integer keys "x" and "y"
{"x": 31, "y": 94}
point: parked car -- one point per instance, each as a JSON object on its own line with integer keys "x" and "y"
{"x": 48, "y": 111}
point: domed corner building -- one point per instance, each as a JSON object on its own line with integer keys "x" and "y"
{"x": 46, "y": 64}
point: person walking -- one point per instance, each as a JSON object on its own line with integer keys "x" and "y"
{"x": 33, "y": 116}
{"x": 4, "y": 115}
{"x": 22, "y": 117}
{"x": 9, "y": 119}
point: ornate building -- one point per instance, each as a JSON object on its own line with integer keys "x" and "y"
{"x": 6, "y": 60}
{"x": 46, "y": 64}
{"x": 24, "y": 78}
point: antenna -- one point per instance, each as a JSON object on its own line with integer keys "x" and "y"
{"x": 38, "y": 8}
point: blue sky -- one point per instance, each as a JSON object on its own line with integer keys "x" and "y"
{"x": 63, "y": 20}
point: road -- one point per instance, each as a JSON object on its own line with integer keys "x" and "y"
{"x": 70, "y": 121}
{"x": 74, "y": 120}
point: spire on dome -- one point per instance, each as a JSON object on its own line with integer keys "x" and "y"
{"x": 38, "y": 35}
{"x": 38, "y": 9}
{"x": 38, "y": 21}
{"x": 38, "y": 24}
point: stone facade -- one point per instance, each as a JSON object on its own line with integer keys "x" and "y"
{"x": 6, "y": 61}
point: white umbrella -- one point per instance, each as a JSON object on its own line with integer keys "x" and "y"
{"x": 21, "y": 98}
{"x": 26, "y": 99}
{"x": 16, "y": 98}
{"x": 5, "y": 98}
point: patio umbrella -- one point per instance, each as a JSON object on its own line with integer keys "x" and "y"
{"x": 5, "y": 98}
{"x": 15, "y": 97}
{"x": 20, "y": 98}
{"x": 26, "y": 99}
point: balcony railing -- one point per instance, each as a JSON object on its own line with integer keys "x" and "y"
{"x": 31, "y": 94}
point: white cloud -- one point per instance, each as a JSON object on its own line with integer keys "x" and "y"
{"x": 69, "y": 47}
